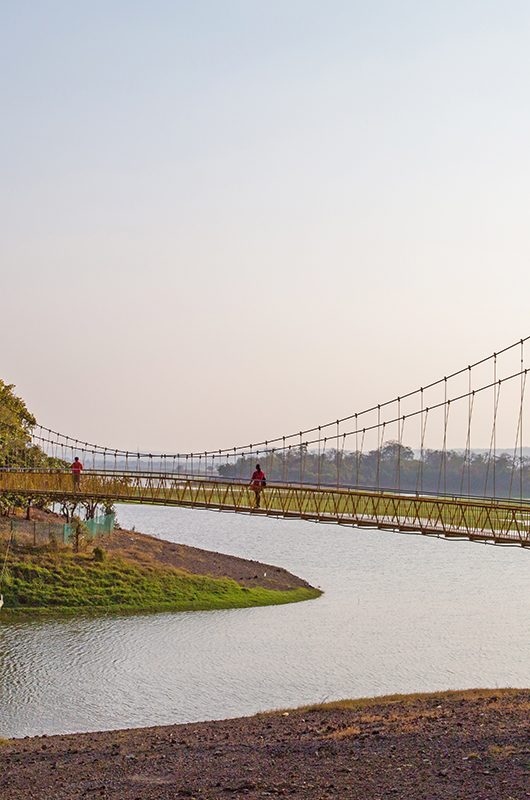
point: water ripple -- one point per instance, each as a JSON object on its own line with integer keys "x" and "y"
{"x": 398, "y": 614}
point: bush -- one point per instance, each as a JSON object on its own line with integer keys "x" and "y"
{"x": 99, "y": 554}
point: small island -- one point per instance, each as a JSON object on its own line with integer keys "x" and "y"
{"x": 43, "y": 569}
{"x": 131, "y": 571}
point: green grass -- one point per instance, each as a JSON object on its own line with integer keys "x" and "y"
{"x": 63, "y": 581}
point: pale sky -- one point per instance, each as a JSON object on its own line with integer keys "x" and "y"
{"x": 225, "y": 220}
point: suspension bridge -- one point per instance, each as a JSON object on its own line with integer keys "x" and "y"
{"x": 446, "y": 459}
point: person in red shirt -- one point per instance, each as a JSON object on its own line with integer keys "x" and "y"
{"x": 76, "y": 468}
{"x": 257, "y": 483}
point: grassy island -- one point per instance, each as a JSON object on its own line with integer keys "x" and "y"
{"x": 129, "y": 571}
{"x": 70, "y": 581}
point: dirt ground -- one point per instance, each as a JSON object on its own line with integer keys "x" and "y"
{"x": 457, "y": 746}
{"x": 147, "y": 549}
{"x": 150, "y": 551}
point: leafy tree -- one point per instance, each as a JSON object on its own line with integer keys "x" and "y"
{"x": 16, "y": 447}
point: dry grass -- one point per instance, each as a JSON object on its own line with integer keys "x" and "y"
{"x": 356, "y": 704}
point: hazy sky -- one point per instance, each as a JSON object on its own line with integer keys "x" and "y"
{"x": 228, "y": 219}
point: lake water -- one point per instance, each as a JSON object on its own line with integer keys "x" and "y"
{"x": 399, "y": 614}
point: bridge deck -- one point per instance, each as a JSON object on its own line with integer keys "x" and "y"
{"x": 498, "y": 521}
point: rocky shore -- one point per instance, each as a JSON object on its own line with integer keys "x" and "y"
{"x": 472, "y": 745}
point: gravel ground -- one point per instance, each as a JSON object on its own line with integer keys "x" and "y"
{"x": 454, "y": 746}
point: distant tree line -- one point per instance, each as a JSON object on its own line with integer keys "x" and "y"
{"x": 394, "y": 466}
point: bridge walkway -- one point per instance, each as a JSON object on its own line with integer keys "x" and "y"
{"x": 499, "y": 521}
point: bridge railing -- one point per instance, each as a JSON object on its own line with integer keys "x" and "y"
{"x": 25, "y": 478}
{"x": 501, "y": 521}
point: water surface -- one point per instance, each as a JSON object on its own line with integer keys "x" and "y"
{"x": 399, "y": 614}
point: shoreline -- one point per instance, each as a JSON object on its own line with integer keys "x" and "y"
{"x": 460, "y": 744}
{"x": 50, "y": 612}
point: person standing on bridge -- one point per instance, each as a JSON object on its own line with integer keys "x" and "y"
{"x": 257, "y": 483}
{"x": 76, "y": 468}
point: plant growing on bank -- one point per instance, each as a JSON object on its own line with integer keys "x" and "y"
{"x": 99, "y": 554}
{"x": 79, "y": 534}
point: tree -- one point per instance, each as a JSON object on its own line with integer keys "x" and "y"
{"x": 16, "y": 447}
